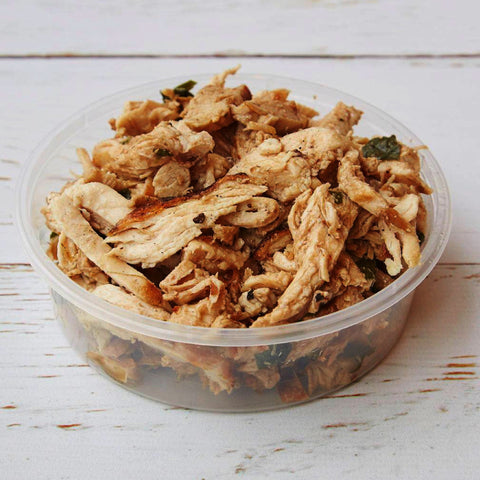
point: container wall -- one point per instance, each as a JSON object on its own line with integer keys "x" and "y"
{"x": 232, "y": 378}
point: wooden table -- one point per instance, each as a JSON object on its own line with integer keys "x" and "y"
{"x": 417, "y": 415}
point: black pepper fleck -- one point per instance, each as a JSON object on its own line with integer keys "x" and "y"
{"x": 200, "y": 218}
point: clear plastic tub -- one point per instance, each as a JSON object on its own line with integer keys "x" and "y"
{"x": 221, "y": 369}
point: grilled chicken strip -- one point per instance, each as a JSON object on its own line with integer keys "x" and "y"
{"x": 151, "y": 234}
{"x": 118, "y": 296}
{"x": 75, "y": 227}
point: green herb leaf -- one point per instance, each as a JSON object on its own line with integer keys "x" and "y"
{"x": 337, "y": 197}
{"x": 367, "y": 267}
{"x": 183, "y": 90}
{"x": 275, "y": 355}
{"x": 421, "y": 236}
{"x": 383, "y": 148}
{"x": 126, "y": 193}
{"x": 162, "y": 152}
{"x": 164, "y": 97}
{"x": 125, "y": 140}
{"x": 53, "y": 235}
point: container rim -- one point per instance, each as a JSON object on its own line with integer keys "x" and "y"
{"x": 139, "y": 324}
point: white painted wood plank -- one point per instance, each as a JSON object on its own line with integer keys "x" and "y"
{"x": 437, "y": 99}
{"x": 189, "y": 27}
{"x": 405, "y": 420}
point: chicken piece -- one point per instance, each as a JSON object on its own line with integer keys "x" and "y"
{"x": 171, "y": 180}
{"x": 273, "y": 242}
{"x": 153, "y": 233}
{"x": 277, "y": 281}
{"x": 283, "y": 261}
{"x": 421, "y": 220}
{"x": 258, "y": 301}
{"x": 403, "y": 172}
{"x": 271, "y": 108}
{"x": 143, "y": 154}
{"x": 208, "y": 310}
{"x": 208, "y": 170}
{"x": 142, "y": 117}
{"x": 75, "y": 227}
{"x": 118, "y": 296}
{"x": 220, "y": 78}
{"x": 288, "y": 166}
{"x": 213, "y": 257}
{"x": 290, "y": 388}
{"x": 73, "y": 262}
{"x": 407, "y": 207}
{"x": 410, "y": 247}
{"x": 225, "y": 233}
{"x": 245, "y": 140}
{"x": 363, "y": 223}
{"x": 210, "y": 108}
{"x": 91, "y": 173}
{"x": 350, "y": 296}
{"x": 394, "y": 264}
{"x": 255, "y": 213}
{"x": 185, "y": 276}
{"x": 287, "y": 174}
{"x": 320, "y": 146}
{"x": 371, "y": 245}
{"x": 320, "y": 376}
{"x": 318, "y": 239}
{"x": 105, "y": 205}
{"x": 352, "y": 182}
{"x": 182, "y": 369}
{"x": 341, "y": 118}
{"x": 123, "y": 370}
{"x": 207, "y": 360}
{"x": 195, "y": 293}
{"x": 261, "y": 379}
{"x": 345, "y": 274}
{"x": 224, "y": 141}
{"x": 143, "y": 193}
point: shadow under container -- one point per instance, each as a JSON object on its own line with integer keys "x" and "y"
{"x": 230, "y": 370}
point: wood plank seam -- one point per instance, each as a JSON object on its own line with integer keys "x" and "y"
{"x": 366, "y": 56}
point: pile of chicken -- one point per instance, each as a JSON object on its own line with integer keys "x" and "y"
{"x": 227, "y": 209}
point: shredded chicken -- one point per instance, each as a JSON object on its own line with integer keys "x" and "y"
{"x": 211, "y": 108}
{"x": 75, "y": 227}
{"x": 223, "y": 209}
{"x": 143, "y": 117}
{"x": 272, "y": 112}
{"x": 318, "y": 238}
{"x": 341, "y": 119}
{"x": 121, "y": 298}
{"x": 150, "y": 234}
{"x": 143, "y": 154}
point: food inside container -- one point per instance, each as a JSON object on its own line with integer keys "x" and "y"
{"x": 250, "y": 241}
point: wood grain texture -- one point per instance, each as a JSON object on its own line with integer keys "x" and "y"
{"x": 436, "y": 99}
{"x": 422, "y": 398}
{"x": 245, "y": 27}
{"x": 415, "y": 416}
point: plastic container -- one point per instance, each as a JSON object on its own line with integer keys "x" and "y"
{"x": 223, "y": 369}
